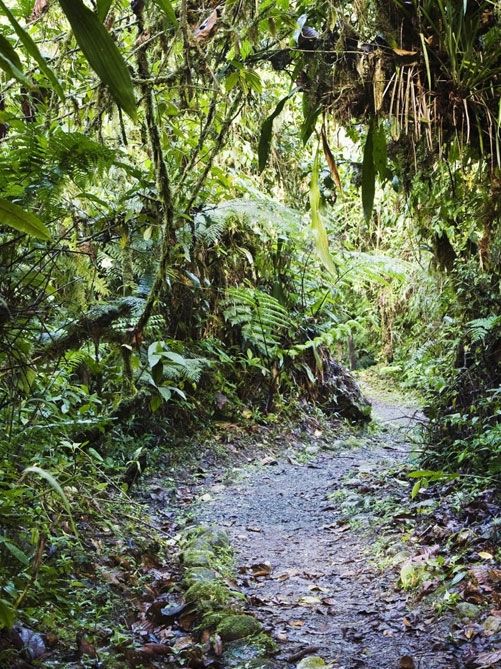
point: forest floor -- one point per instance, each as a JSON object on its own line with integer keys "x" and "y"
{"x": 304, "y": 524}
{"x": 337, "y": 562}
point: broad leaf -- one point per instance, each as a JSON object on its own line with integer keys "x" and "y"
{"x": 32, "y": 50}
{"x": 54, "y": 484}
{"x": 15, "y": 551}
{"x": 319, "y": 231}
{"x": 168, "y": 10}
{"x": 267, "y": 132}
{"x": 10, "y": 62}
{"x": 310, "y": 121}
{"x": 7, "y": 614}
{"x": 15, "y": 217}
{"x": 101, "y": 52}
{"x": 368, "y": 174}
{"x": 102, "y": 8}
{"x": 379, "y": 152}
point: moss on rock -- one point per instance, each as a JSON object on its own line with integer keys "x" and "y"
{"x": 238, "y": 626}
{"x": 208, "y": 565}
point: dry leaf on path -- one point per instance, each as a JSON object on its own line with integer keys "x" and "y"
{"x": 261, "y": 569}
{"x": 309, "y": 601}
{"x": 406, "y": 662}
{"x": 486, "y": 660}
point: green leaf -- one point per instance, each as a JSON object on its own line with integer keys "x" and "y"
{"x": 47, "y": 476}
{"x": 8, "y": 51}
{"x": 23, "y": 221}
{"x": 101, "y": 52}
{"x": 32, "y": 49}
{"x": 416, "y": 488}
{"x": 103, "y": 7}
{"x": 426, "y": 474}
{"x": 319, "y": 231}
{"x": 7, "y": 614}
{"x": 310, "y": 116}
{"x": 97, "y": 456}
{"x": 426, "y": 59}
{"x": 165, "y": 392}
{"x": 10, "y": 62}
{"x": 267, "y": 132}
{"x": 368, "y": 174}
{"x": 15, "y": 551}
{"x": 168, "y": 10}
{"x": 379, "y": 152}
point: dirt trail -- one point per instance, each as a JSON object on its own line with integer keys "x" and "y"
{"x": 324, "y": 589}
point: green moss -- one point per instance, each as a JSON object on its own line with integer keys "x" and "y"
{"x": 238, "y": 626}
{"x": 212, "y": 595}
{"x": 208, "y": 562}
{"x": 196, "y": 558}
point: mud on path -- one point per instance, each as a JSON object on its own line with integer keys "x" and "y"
{"x": 307, "y": 566}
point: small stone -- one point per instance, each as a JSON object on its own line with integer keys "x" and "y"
{"x": 467, "y": 610}
{"x": 492, "y": 625}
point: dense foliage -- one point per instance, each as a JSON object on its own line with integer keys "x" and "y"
{"x": 201, "y": 206}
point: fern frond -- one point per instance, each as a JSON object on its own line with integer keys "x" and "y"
{"x": 261, "y": 317}
{"x": 480, "y": 328}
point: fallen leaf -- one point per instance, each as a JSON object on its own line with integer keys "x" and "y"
{"x": 268, "y": 460}
{"x": 309, "y": 601}
{"x": 284, "y": 576}
{"x": 317, "y": 588}
{"x": 492, "y": 625}
{"x": 404, "y": 52}
{"x": 182, "y": 643}
{"x": 112, "y": 576}
{"x": 217, "y": 644}
{"x": 486, "y": 660}
{"x": 296, "y": 623}
{"x": 261, "y": 569}
{"x": 485, "y": 555}
{"x": 471, "y": 631}
{"x": 329, "y": 601}
{"x": 154, "y": 649}
{"x": 406, "y": 662}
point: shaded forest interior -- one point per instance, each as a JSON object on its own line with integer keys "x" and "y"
{"x": 216, "y": 220}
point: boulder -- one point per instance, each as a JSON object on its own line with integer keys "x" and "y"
{"x": 339, "y": 393}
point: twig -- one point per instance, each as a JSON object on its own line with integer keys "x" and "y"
{"x": 295, "y": 657}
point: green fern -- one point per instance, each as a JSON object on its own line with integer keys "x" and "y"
{"x": 261, "y": 317}
{"x": 263, "y": 215}
{"x": 480, "y": 328}
{"x": 174, "y": 366}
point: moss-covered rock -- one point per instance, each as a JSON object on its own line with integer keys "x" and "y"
{"x": 200, "y": 575}
{"x": 238, "y": 626}
{"x": 208, "y": 567}
{"x": 196, "y": 558}
{"x": 208, "y": 596}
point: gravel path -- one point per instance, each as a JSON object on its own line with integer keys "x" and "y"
{"x": 309, "y": 574}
